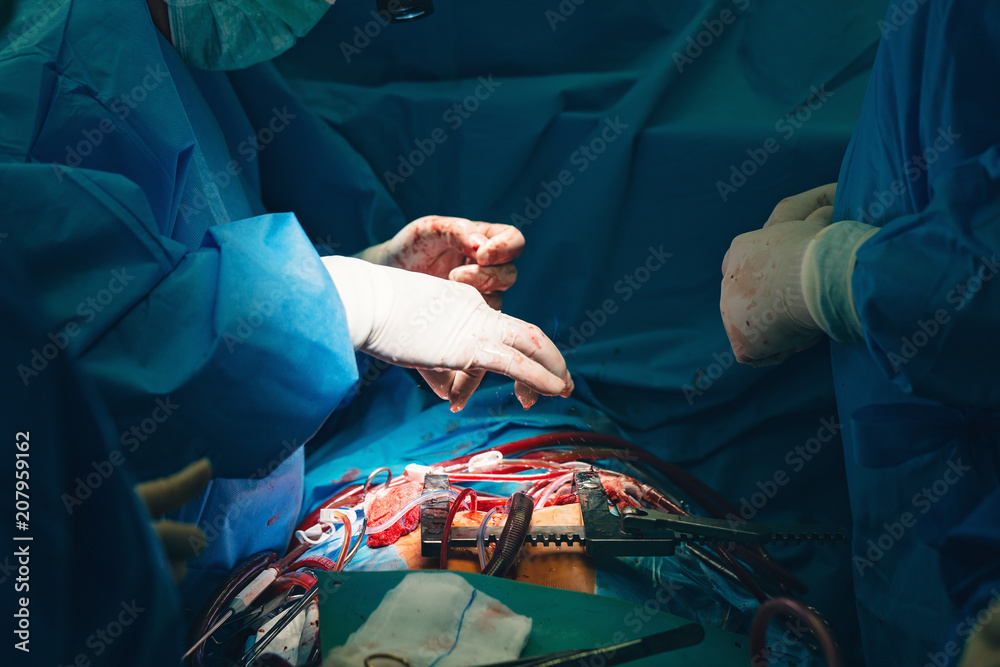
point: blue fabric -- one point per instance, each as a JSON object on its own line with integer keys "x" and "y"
{"x": 95, "y": 586}
{"x": 653, "y": 361}
{"x": 131, "y": 189}
{"x": 919, "y": 397}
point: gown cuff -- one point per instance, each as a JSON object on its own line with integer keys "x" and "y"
{"x": 826, "y": 278}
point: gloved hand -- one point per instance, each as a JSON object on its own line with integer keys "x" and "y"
{"x": 423, "y": 322}
{"x": 179, "y": 540}
{"x": 804, "y": 206}
{"x": 475, "y": 253}
{"x": 762, "y": 304}
{"x": 983, "y": 646}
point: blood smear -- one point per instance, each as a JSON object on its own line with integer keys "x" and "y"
{"x": 381, "y": 505}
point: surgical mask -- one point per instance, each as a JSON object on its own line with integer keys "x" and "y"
{"x": 235, "y": 34}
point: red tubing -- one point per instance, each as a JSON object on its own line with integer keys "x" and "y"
{"x": 289, "y": 579}
{"x": 317, "y": 562}
{"x": 602, "y": 446}
{"x": 774, "y": 606}
{"x": 466, "y": 493}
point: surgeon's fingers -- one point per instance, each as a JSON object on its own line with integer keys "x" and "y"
{"x": 181, "y": 542}
{"x": 458, "y": 233}
{"x": 466, "y": 382}
{"x": 531, "y": 342}
{"x": 453, "y": 386}
{"x": 526, "y": 396}
{"x": 485, "y": 278}
{"x": 504, "y": 244}
{"x": 440, "y": 381}
{"x": 522, "y": 352}
{"x": 823, "y": 215}
{"x": 169, "y": 493}
{"x": 504, "y": 359}
{"x": 801, "y": 205}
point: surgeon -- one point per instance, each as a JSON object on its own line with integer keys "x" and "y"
{"x": 897, "y": 265}
{"x": 163, "y": 215}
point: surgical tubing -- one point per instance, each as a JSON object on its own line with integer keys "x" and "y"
{"x": 318, "y": 562}
{"x": 466, "y": 493}
{"x": 398, "y": 516}
{"x": 556, "y": 484}
{"x": 501, "y": 477}
{"x": 481, "y": 540}
{"x": 339, "y": 499}
{"x": 357, "y": 542}
{"x": 345, "y": 546}
{"x": 704, "y": 495}
{"x": 220, "y": 598}
{"x": 290, "y": 579}
{"x": 774, "y": 606}
{"x": 515, "y": 530}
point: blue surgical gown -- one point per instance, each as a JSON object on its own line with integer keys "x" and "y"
{"x": 78, "y": 537}
{"x": 919, "y": 398}
{"x": 136, "y": 191}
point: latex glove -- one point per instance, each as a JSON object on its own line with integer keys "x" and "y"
{"x": 762, "y": 303}
{"x": 983, "y": 647}
{"x": 420, "y": 321}
{"x": 180, "y": 540}
{"x": 815, "y": 204}
{"x": 475, "y": 253}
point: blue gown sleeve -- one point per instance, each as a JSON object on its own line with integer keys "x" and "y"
{"x": 926, "y": 287}
{"x": 238, "y": 350}
{"x": 927, "y": 292}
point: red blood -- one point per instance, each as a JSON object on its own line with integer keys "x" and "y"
{"x": 620, "y": 489}
{"x": 349, "y": 476}
{"x": 270, "y": 522}
{"x": 383, "y": 504}
{"x": 565, "y": 499}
